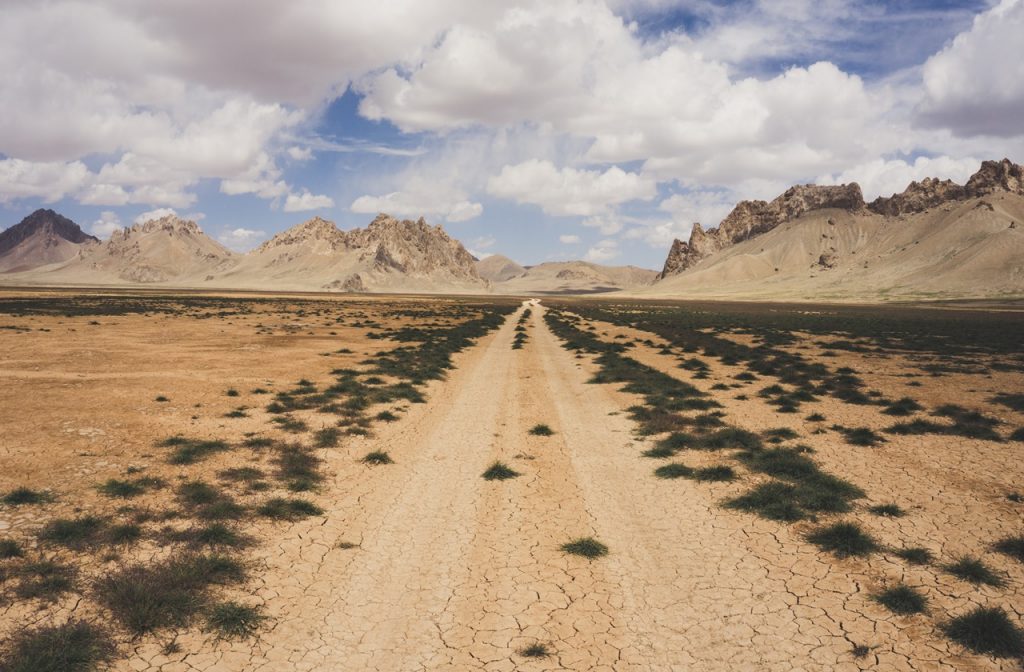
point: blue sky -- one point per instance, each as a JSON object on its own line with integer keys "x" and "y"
{"x": 540, "y": 130}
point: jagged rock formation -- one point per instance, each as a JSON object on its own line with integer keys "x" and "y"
{"x": 389, "y": 254}
{"x": 935, "y": 239}
{"x": 752, "y": 218}
{"x": 42, "y": 238}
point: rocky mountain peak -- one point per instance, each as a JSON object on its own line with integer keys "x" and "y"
{"x": 996, "y": 176}
{"x": 313, "y": 231}
{"x": 171, "y": 224}
{"x": 47, "y": 223}
{"x": 413, "y": 247}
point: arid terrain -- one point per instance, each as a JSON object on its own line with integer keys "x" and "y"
{"x": 274, "y": 482}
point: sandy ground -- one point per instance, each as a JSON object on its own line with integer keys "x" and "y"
{"x": 450, "y": 571}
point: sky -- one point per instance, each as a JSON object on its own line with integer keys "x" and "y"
{"x": 547, "y": 130}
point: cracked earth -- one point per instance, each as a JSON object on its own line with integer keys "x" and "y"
{"x": 443, "y": 570}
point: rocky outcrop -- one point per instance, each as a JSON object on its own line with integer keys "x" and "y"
{"x": 918, "y": 197}
{"x": 752, "y": 218}
{"x": 413, "y": 248}
{"x": 353, "y": 283}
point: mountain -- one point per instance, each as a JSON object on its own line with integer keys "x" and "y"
{"x": 497, "y": 268}
{"x": 561, "y": 277}
{"x": 168, "y": 250}
{"x": 935, "y": 239}
{"x": 42, "y": 238}
{"x": 387, "y": 255}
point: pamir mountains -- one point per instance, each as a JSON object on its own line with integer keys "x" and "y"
{"x": 936, "y": 239}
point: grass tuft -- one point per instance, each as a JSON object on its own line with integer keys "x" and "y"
{"x": 587, "y": 547}
{"x": 974, "y": 571}
{"x": 1011, "y": 546}
{"x": 535, "y": 651}
{"x": 75, "y": 646}
{"x": 377, "y": 457}
{"x": 888, "y": 510}
{"x": 22, "y": 496}
{"x": 915, "y": 555}
{"x": 843, "y": 540}
{"x": 281, "y": 508}
{"x": 541, "y": 430}
{"x": 988, "y": 631}
{"x": 499, "y": 471}
{"x": 902, "y": 600}
{"x": 674, "y": 470}
{"x": 234, "y": 620}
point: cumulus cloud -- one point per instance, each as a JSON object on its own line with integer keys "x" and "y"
{"x": 884, "y": 178}
{"x": 604, "y": 250}
{"x": 450, "y": 206}
{"x": 307, "y": 201}
{"x": 569, "y": 191}
{"x": 569, "y": 239}
{"x": 159, "y": 213}
{"x": 975, "y": 86}
{"x": 241, "y": 239}
{"x": 49, "y": 181}
{"x": 107, "y": 223}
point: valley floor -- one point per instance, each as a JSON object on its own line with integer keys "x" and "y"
{"x": 422, "y": 564}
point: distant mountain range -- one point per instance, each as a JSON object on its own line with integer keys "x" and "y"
{"x": 936, "y": 239}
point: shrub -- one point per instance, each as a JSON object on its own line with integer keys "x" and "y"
{"x": 75, "y": 533}
{"x": 674, "y": 470}
{"x": 499, "y": 471}
{"x": 902, "y": 600}
{"x": 973, "y": 570}
{"x": 715, "y": 473}
{"x": 915, "y": 555}
{"x": 377, "y": 457}
{"x": 843, "y": 540}
{"x": 22, "y": 496}
{"x": 145, "y": 598}
{"x": 588, "y": 547}
{"x": 9, "y": 548}
{"x": 125, "y": 489}
{"x": 535, "y": 651}
{"x": 988, "y": 631}
{"x": 903, "y": 406}
{"x": 1011, "y": 546}
{"x": 541, "y": 430}
{"x": 44, "y": 580}
{"x": 888, "y": 510}
{"x": 190, "y": 451}
{"x": 280, "y": 508}
{"x": 232, "y": 619}
{"x": 75, "y": 646}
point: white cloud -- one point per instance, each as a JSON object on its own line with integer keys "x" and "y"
{"x": 50, "y": 181}
{"x": 159, "y": 213}
{"x": 307, "y": 201}
{"x": 707, "y": 207}
{"x": 413, "y": 204}
{"x": 568, "y": 239}
{"x": 884, "y": 178}
{"x": 569, "y": 191}
{"x": 975, "y": 86}
{"x": 604, "y": 250}
{"x": 300, "y": 153}
{"x": 107, "y": 223}
{"x": 241, "y": 239}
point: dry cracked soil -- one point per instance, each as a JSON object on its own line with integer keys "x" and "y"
{"x": 423, "y": 564}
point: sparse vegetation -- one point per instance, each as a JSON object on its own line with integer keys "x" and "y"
{"x": 377, "y": 457}
{"x": 843, "y": 540}
{"x": 291, "y": 509}
{"x": 499, "y": 471}
{"x": 26, "y": 496}
{"x": 1011, "y": 546}
{"x": 973, "y": 570}
{"x": 902, "y": 599}
{"x": 587, "y": 547}
{"x": 75, "y": 646}
{"x": 538, "y": 650}
{"x": 541, "y": 430}
{"x": 233, "y": 620}
{"x": 987, "y": 630}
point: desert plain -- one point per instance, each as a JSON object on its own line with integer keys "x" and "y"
{"x": 237, "y": 481}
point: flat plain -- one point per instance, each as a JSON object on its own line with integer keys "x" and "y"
{"x": 295, "y": 482}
